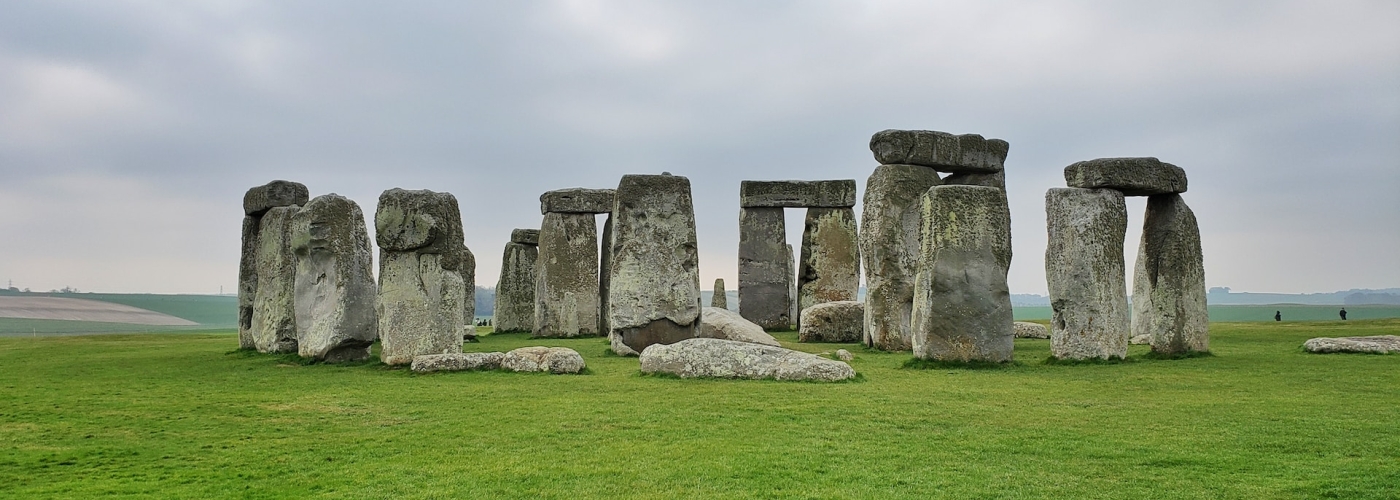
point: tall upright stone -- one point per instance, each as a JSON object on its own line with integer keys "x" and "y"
{"x": 655, "y": 286}
{"x": 718, "y": 298}
{"x": 962, "y": 307}
{"x": 830, "y": 265}
{"x": 256, "y": 202}
{"x": 468, "y": 272}
{"x": 605, "y": 274}
{"x": 1169, "y": 283}
{"x": 420, "y": 283}
{"x": 514, "y": 310}
{"x": 273, "y": 323}
{"x": 334, "y": 287}
{"x": 790, "y": 267}
{"x": 566, "y": 276}
{"x": 763, "y": 268}
{"x": 889, "y": 247}
{"x": 1084, "y": 271}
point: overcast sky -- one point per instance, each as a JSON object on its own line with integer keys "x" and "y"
{"x": 130, "y": 130}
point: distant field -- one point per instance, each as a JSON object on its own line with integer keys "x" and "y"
{"x": 20, "y": 327}
{"x": 1291, "y": 312}
{"x": 210, "y": 311}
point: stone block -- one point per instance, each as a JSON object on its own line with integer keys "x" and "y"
{"x": 1084, "y": 272}
{"x": 889, "y": 247}
{"x": 764, "y": 268}
{"x": 840, "y": 321}
{"x": 830, "y": 265}
{"x": 577, "y": 201}
{"x": 654, "y": 294}
{"x": 335, "y": 289}
{"x": 274, "y": 194}
{"x": 1132, "y": 176}
{"x": 942, "y": 151}
{"x": 273, "y": 323}
{"x": 514, "y": 310}
{"x": 1169, "y": 283}
{"x": 566, "y": 276}
{"x": 797, "y": 194}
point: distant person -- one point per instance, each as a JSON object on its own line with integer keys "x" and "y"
{"x": 1278, "y": 315}
{"x": 1344, "y": 314}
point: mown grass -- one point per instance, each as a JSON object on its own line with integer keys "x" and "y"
{"x": 1265, "y": 313}
{"x": 185, "y": 415}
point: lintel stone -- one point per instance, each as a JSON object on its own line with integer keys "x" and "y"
{"x": 1132, "y": 176}
{"x": 798, "y": 194}
{"x": 578, "y": 201}
{"x": 942, "y": 151}
{"x": 525, "y": 236}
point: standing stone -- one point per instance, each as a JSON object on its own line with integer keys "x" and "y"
{"x": 962, "y": 308}
{"x": 1084, "y": 272}
{"x": 468, "y": 272}
{"x": 566, "y": 279}
{"x": 273, "y": 322}
{"x": 718, "y": 298}
{"x": 889, "y": 247}
{"x": 420, "y": 286}
{"x": 335, "y": 290}
{"x": 763, "y": 279}
{"x": 256, "y": 202}
{"x": 1169, "y": 284}
{"x": 791, "y": 269}
{"x": 655, "y": 287}
{"x": 514, "y": 310}
{"x": 605, "y": 271}
{"x": 830, "y": 268}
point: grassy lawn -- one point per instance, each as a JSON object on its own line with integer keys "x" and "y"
{"x": 1235, "y": 312}
{"x": 183, "y": 415}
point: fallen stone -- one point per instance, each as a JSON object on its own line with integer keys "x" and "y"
{"x": 839, "y": 321}
{"x": 654, "y": 294}
{"x": 1378, "y": 344}
{"x": 797, "y": 194}
{"x": 962, "y": 307}
{"x": 718, "y": 323}
{"x": 273, "y": 324}
{"x": 1132, "y": 176}
{"x": 889, "y": 247}
{"x": 525, "y": 236}
{"x": 830, "y": 265}
{"x": 763, "y": 268}
{"x": 1140, "y": 340}
{"x": 456, "y": 362}
{"x": 514, "y": 310}
{"x": 1169, "y": 283}
{"x": 557, "y": 360}
{"x": 968, "y": 153}
{"x": 334, "y": 285}
{"x": 1028, "y": 330}
{"x": 844, "y": 355}
{"x": 1084, "y": 271}
{"x": 577, "y": 201}
{"x": 715, "y": 358}
{"x": 274, "y": 194}
{"x": 566, "y": 276}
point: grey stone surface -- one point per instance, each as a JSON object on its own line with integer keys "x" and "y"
{"x": 763, "y": 268}
{"x": 962, "y": 308}
{"x": 456, "y": 362}
{"x": 889, "y": 248}
{"x": 1378, "y": 344}
{"x": 334, "y": 284}
{"x": 1132, "y": 176}
{"x": 274, "y": 194}
{"x": 566, "y": 276}
{"x": 421, "y": 291}
{"x": 514, "y": 309}
{"x": 557, "y": 360}
{"x": 996, "y": 180}
{"x": 654, "y": 294}
{"x": 794, "y": 310}
{"x": 720, "y": 323}
{"x": 1028, "y": 330}
{"x": 577, "y": 201}
{"x": 719, "y": 297}
{"x": 1084, "y": 272}
{"x": 798, "y": 194}
{"x": 840, "y": 321}
{"x": 830, "y": 265}
{"x": 273, "y": 323}
{"x": 468, "y": 271}
{"x": 715, "y": 358}
{"x": 605, "y": 277}
{"x": 968, "y": 153}
{"x": 1140, "y": 340}
{"x": 247, "y": 281}
{"x": 525, "y": 236}
{"x": 844, "y": 355}
{"x": 1169, "y": 283}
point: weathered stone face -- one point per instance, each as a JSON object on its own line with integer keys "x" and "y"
{"x": 841, "y": 321}
{"x": 962, "y": 308}
{"x": 997, "y": 180}
{"x": 717, "y": 358}
{"x": 247, "y": 281}
{"x": 830, "y": 269}
{"x": 797, "y": 194}
{"x": 791, "y": 269}
{"x": 515, "y": 290}
{"x": 557, "y": 360}
{"x": 1169, "y": 284}
{"x": 969, "y": 153}
{"x": 1084, "y": 271}
{"x": 889, "y": 247}
{"x": 566, "y": 279}
{"x": 526, "y": 236}
{"x": 764, "y": 268}
{"x": 273, "y": 322}
{"x": 718, "y": 298}
{"x": 577, "y": 201}
{"x": 274, "y": 194}
{"x": 719, "y": 323}
{"x": 1132, "y": 176}
{"x": 605, "y": 276}
{"x": 468, "y": 271}
{"x": 420, "y": 221}
{"x": 421, "y": 290}
{"x": 655, "y": 286}
{"x": 335, "y": 289}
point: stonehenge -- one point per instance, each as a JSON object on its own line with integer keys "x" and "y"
{"x": 568, "y": 290}
{"x": 889, "y": 247}
{"x": 266, "y": 268}
{"x": 1087, "y": 223}
{"x": 420, "y": 286}
{"x": 830, "y": 265}
{"x": 334, "y": 285}
{"x": 717, "y": 297}
{"x": 654, "y": 286}
{"x": 515, "y": 289}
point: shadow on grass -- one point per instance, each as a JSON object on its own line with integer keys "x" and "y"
{"x": 859, "y": 378}
{"x": 932, "y": 364}
{"x": 1147, "y": 356}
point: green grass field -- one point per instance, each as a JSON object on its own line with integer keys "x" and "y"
{"x": 1246, "y": 313}
{"x": 185, "y": 415}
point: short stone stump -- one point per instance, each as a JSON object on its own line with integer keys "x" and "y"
{"x": 1379, "y": 344}
{"x": 715, "y": 358}
{"x": 558, "y": 360}
{"x": 1028, "y": 330}
{"x": 839, "y": 321}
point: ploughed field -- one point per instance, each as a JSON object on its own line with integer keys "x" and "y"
{"x": 185, "y": 415}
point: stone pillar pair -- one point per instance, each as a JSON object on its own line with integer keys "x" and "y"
{"x": 1084, "y": 265}
{"x": 652, "y": 261}
{"x": 568, "y": 290}
{"x": 937, "y": 251}
{"x": 829, "y": 269}
{"x": 515, "y": 290}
